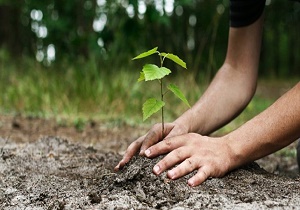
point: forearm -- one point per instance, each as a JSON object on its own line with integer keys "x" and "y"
{"x": 273, "y": 129}
{"x": 227, "y": 95}
{"x": 232, "y": 87}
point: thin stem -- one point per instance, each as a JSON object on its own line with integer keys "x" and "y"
{"x": 162, "y": 99}
{"x": 162, "y": 109}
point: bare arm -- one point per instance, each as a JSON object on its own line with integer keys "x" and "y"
{"x": 273, "y": 129}
{"x": 233, "y": 86}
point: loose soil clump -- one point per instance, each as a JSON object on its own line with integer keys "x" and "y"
{"x": 53, "y": 173}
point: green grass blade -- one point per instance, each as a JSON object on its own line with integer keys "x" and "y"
{"x": 177, "y": 92}
{"x": 174, "y": 58}
{"x": 153, "y": 72}
{"x": 151, "y": 106}
{"x": 146, "y": 54}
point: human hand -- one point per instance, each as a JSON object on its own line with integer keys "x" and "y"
{"x": 153, "y": 136}
{"x": 210, "y": 156}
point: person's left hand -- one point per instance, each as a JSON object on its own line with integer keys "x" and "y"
{"x": 210, "y": 156}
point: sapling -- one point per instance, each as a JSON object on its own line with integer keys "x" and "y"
{"x": 153, "y": 72}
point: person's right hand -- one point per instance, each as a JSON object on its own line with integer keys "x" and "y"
{"x": 153, "y": 136}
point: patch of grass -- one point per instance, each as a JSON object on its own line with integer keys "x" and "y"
{"x": 87, "y": 91}
{"x": 78, "y": 91}
{"x": 287, "y": 152}
{"x": 257, "y": 105}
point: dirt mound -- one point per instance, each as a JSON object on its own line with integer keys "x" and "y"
{"x": 52, "y": 173}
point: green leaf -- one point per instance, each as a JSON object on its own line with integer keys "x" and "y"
{"x": 152, "y": 72}
{"x": 177, "y": 92}
{"x": 174, "y": 58}
{"x": 151, "y": 106}
{"x": 142, "y": 77}
{"x": 145, "y": 54}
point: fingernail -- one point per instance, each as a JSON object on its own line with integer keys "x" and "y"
{"x": 117, "y": 167}
{"x": 171, "y": 174}
{"x": 191, "y": 182}
{"x": 147, "y": 152}
{"x": 142, "y": 152}
{"x": 156, "y": 169}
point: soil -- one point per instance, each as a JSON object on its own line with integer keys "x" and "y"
{"x": 47, "y": 165}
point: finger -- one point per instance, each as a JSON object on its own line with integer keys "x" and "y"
{"x": 202, "y": 175}
{"x": 170, "y": 160}
{"x": 165, "y": 146}
{"x": 154, "y": 135}
{"x": 151, "y": 138}
{"x": 186, "y": 167}
{"x": 130, "y": 152}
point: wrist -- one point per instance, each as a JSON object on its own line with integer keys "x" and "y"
{"x": 238, "y": 150}
{"x": 225, "y": 159}
{"x": 186, "y": 121}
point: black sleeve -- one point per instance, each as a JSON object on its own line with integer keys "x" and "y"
{"x": 245, "y": 12}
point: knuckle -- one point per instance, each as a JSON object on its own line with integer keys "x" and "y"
{"x": 151, "y": 135}
{"x": 190, "y": 164}
{"x": 168, "y": 142}
{"x": 178, "y": 154}
{"x": 163, "y": 163}
{"x": 205, "y": 174}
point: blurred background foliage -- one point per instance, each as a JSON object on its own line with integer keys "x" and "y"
{"x": 75, "y": 55}
{"x": 113, "y": 31}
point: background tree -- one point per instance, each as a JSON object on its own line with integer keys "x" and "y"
{"x": 110, "y": 31}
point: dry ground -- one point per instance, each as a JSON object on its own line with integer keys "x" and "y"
{"x": 73, "y": 170}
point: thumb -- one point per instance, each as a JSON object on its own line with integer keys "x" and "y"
{"x": 175, "y": 130}
{"x": 155, "y": 135}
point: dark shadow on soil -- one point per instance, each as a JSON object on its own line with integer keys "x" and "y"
{"x": 53, "y": 173}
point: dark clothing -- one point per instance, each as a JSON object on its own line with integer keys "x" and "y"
{"x": 246, "y": 12}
